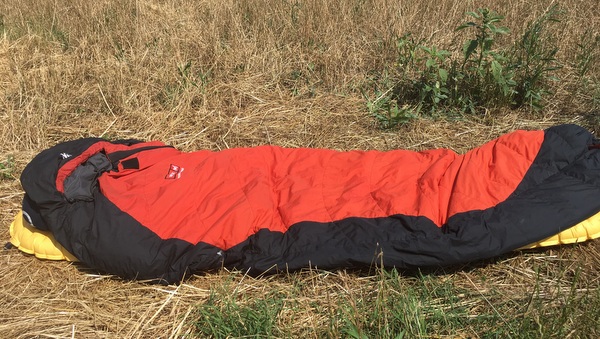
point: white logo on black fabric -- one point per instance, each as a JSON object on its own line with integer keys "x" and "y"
{"x": 65, "y": 155}
{"x": 174, "y": 172}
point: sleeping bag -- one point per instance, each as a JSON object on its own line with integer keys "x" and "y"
{"x": 145, "y": 210}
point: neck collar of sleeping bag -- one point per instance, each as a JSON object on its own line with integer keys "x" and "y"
{"x": 80, "y": 185}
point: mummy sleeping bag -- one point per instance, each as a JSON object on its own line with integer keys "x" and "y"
{"x": 144, "y": 210}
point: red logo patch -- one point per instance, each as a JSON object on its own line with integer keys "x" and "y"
{"x": 174, "y": 172}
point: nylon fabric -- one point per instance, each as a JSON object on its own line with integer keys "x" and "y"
{"x": 221, "y": 198}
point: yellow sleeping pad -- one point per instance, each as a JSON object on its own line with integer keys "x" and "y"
{"x": 39, "y": 243}
{"x": 43, "y": 245}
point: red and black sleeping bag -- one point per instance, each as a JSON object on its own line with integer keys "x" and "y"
{"x": 148, "y": 211}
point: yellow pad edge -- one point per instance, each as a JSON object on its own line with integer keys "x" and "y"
{"x": 43, "y": 245}
{"x": 39, "y": 243}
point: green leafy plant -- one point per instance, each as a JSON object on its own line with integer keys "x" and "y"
{"x": 407, "y": 49}
{"x": 429, "y": 80}
{"x": 534, "y": 59}
{"x": 481, "y": 45}
{"x": 384, "y": 107}
{"x": 432, "y": 85}
{"x": 484, "y": 70}
{"x": 7, "y": 168}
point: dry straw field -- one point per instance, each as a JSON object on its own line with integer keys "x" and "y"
{"x": 298, "y": 73}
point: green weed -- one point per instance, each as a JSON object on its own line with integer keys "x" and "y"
{"x": 587, "y": 53}
{"x": 303, "y": 81}
{"x": 385, "y": 105}
{"x": 7, "y": 168}
{"x": 484, "y": 71}
{"x": 435, "y": 306}
{"x": 295, "y": 7}
{"x": 228, "y": 314}
{"x": 587, "y": 86}
{"x": 534, "y": 59}
{"x": 188, "y": 80}
{"x": 60, "y": 36}
{"x": 554, "y": 302}
{"x": 429, "y": 80}
{"x": 401, "y": 308}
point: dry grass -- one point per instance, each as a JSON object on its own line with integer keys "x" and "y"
{"x": 220, "y": 74}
